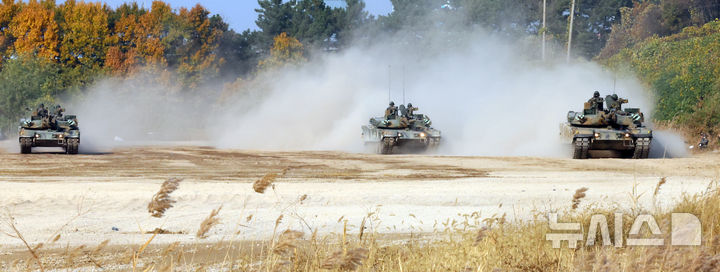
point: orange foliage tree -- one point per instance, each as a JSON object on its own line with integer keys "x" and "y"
{"x": 150, "y": 32}
{"x": 84, "y": 33}
{"x": 122, "y": 55}
{"x": 198, "y": 60}
{"x": 286, "y": 50}
{"x": 35, "y": 31}
{"x": 8, "y": 9}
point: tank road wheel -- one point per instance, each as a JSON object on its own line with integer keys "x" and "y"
{"x": 642, "y": 148}
{"x": 25, "y": 145}
{"x": 639, "y": 146}
{"x": 72, "y": 146}
{"x": 432, "y": 145}
{"x": 387, "y": 145}
{"x": 581, "y": 148}
{"x": 646, "y": 152}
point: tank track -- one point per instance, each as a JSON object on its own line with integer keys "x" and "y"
{"x": 73, "y": 145}
{"x": 581, "y": 148}
{"x": 642, "y": 148}
{"x": 25, "y": 145}
{"x": 432, "y": 145}
{"x": 386, "y": 146}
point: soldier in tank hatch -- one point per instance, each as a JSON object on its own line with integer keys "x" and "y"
{"x": 391, "y": 111}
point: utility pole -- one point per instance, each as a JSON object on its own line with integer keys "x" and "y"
{"x": 543, "y": 30}
{"x": 572, "y": 17}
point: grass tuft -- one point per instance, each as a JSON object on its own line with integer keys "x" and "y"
{"x": 349, "y": 260}
{"x": 208, "y": 223}
{"x": 579, "y": 195}
{"x": 261, "y": 184}
{"x": 161, "y": 201}
{"x": 660, "y": 183}
{"x": 287, "y": 242}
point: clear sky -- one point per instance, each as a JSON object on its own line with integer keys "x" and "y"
{"x": 240, "y": 14}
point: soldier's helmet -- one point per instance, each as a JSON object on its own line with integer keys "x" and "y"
{"x": 409, "y": 105}
{"x": 392, "y": 103}
{"x": 615, "y": 96}
{"x": 596, "y": 94}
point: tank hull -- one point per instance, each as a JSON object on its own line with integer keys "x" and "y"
{"x": 388, "y": 141}
{"x": 68, "y": 140}
{"x": 626, "y": 143}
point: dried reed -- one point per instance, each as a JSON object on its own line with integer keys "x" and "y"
{"x": 208, "y": 223}
{"x": 261, "y": 184}
{"x": 161, "y": 201}
{"x": 579, "y": 194}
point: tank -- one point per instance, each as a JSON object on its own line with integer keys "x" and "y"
{"x": 620, "y": 132}
{"x": 49, "y": 130}
{"x": 403, "y": 132}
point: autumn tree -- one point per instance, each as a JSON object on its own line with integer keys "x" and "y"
{"x": 198, "y": 61}
{"x": 35, "y": 31}
{"x": 122, "y": 55}
{"x": 8, "y": 9}
{"x": 85, "y": 32}
{"x": 153, "y": 27}
{"x": 286, "y": 50}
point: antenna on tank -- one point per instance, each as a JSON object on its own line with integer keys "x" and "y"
{"x": 389, "y": 81}
{"x": 614, "y": 83}
{"x": 403, "y": 84}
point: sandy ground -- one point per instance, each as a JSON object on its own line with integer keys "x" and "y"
{"x": 93, "y": 197}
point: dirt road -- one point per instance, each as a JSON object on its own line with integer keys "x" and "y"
{"x": 93, "y": 197}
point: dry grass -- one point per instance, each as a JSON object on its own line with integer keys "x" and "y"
{"x": 161, "y": 201}
{"x": 261, "y": 184}
{"x": 579, "y": 195}
{"x": 9, "y": 222}
{"x": 287, "y": 242}
{"x": 660, "y": 183}
{"x": 349, "y": 260}
{"x": 163, "y": 231}
{"x": 208, "y": 223}
{"x": 472, "y": 244}
{"x": 492, "y": 244}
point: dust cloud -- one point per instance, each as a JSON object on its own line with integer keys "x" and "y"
{"x": 138, "y": 111}
{"x": 484, "y": 94}
{"x": 487, "y": 95}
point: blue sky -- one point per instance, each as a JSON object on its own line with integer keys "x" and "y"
{"x": 240, "y": 14}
